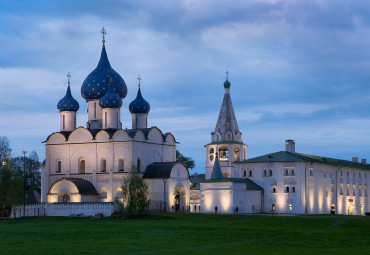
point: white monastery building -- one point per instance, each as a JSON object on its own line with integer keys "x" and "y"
{"x": 89, "y": 164}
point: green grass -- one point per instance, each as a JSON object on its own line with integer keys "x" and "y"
{"x": 188, "y": 234}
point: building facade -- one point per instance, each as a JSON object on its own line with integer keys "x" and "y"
{"x": 89, "y": 164}
{"x": 280, "y": 182}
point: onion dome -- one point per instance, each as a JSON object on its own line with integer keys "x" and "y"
{"x": 139, "y": 105}
{"x": 227, "y": 84}
{"x": 68, "y": 103}
{"x": 96, "y": 83}
{"x": 110, "y": 99}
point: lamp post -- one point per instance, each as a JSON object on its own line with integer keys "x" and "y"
{"x": 24, "y": 183}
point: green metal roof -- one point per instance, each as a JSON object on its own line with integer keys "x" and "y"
{"x": 284, "y": 156}
{"x": 250, "y": 184}
{"x": 224, "y": 142}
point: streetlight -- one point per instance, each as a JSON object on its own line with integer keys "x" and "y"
{"x": 24, "y": 183}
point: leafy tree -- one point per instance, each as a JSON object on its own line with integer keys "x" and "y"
{"x": 135, "y": 195}
{"x": 5, "y": 149}
{"x": 11, "y": 187}
{"x": 187, "y": 161}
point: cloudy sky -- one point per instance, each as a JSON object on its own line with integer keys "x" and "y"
{"x": 298, "y": 69}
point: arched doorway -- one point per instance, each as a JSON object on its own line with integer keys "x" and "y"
{"x": 179, "y": 199}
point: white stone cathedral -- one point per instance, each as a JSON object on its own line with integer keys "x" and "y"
{"x": 89, "y": 164}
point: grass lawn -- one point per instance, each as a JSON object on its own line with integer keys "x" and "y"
{"x": 188, "y": 234}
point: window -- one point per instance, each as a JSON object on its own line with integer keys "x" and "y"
{"x": 121, "y": 165}
{"x": 103, "y": 165}
{"x": 270, "y": 172}
{"x": 347, "y": 189}
{"x": 138, "y": 164}
{"x": 332, "y": 188}
{"x": 292, "y": 172}
{"x": 341, "y": 189}
{"x": 331, "y": 175}
{"x": 64, "y": 122}
{"x": 354, "y": 174}
{"x": 250, "y": 173}
{"x": 236, "y": 154}
{"x": 245, "y": 173}
{"x": 287, "y": 189}
{"x": 324, "y": 174}
{"x": 341, "y": 172}
{"x": 354, "y": 190}
{"x": 360, "y": 191}
{"x": 326, "y": 192}
{"x": 94, "y": 110}
{"x": 264, "y": 172}
{"x": 82, "y": 166}
{"x": 293, "y": 189}
{"x": 105, "y": 119}
{"x": 229, "y": 137}
{"x": 211, "y": 151}
{"x": 224, "y": 154}
{"x": 59, "y": 166}
{"x": 347, "y": 173}
{"x": 365, "y": 191}
{"x": 359, "y": 175}
{"x": 273, "y": 190}
{"x": 286, "y": 172}
{"x": 290, "y": 207}
{"x": 365, "y": 176}
{"x": 273, "y": 207}
{"x": 311, "y": 173}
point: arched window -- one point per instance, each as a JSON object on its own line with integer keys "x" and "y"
{"x": 59, "y": 166}
{"x": 103, "y": 165}
{"x": 224, "y": 154}
{"x": 121, "y": 165}
{"x": 94, "y": 110}
{"x": 211, "y": 151}
{"x": 236, "y": 154}
{"x": 250, "y": 174}
{"x": 138, "y": 164}
{"x": 105, "y": 119}
{"x": 64, "y": 122}
{"x": 81, "y": 166}
{"x": 273, "y": 207}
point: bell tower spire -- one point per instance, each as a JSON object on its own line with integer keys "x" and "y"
{"x": 226, "y": 140}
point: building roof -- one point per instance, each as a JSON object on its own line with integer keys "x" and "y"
{"x": 251, "y": 185}
{"x": 110, "y": 99}
{"x": 68, "y": 103}
{"x": 195, "y": 180}
{"x": 96, "y": 83}
{"x": 84, "y": 187}
{"x": 159, "y": 170}
{"x": 139, "y": 105}
{"x": 284, "y": 156}
{"x": 216, "y": 171}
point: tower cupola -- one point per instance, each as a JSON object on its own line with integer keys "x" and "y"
{"x": 68, "y": 107}
{"x": 139, "y": 109}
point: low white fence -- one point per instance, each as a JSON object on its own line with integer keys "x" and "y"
{"x": 63, "y": 209}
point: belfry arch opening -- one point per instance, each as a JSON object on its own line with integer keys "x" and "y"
{"x": 224, "y": 154}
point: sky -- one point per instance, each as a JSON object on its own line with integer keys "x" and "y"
{"x": 298, "y": 69}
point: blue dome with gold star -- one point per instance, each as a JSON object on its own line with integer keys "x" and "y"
{"x": 68, "y": 103}
{"x": 96, "y": 83}
{"x": 110, "y": 99}
{"x": 139, "y": 105}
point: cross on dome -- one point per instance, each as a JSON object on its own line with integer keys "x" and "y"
{"x": 139, "y": 79}
{"x": 103, "y": 32}
{"x": 227, "y": 75}
{"x": 69, "y": 78}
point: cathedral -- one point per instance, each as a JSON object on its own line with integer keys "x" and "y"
{"x": 87, "y": 165}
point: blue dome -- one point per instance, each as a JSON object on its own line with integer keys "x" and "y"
{"x": 139, "y": 105}
{"x": 96, "y": 83}
{"x": 68, "y": 103}
{"x": 110, "y": 99}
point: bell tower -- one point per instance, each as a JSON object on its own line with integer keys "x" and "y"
{"x": 226, "y": 140}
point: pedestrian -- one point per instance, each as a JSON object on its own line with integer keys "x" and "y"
{"x": 237, "y": 210}
{"x": 216, "y": 208}
{"x": 195, "y": 208}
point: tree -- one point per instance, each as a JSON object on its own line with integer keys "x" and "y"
{"x": 187, "y": 161}
{"x": 11, "y": 186}
{"x": 5, "y": 149}
{"x": 135, "y": 195}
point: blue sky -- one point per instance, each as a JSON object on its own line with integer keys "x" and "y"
{"x": 298, "y": 69}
